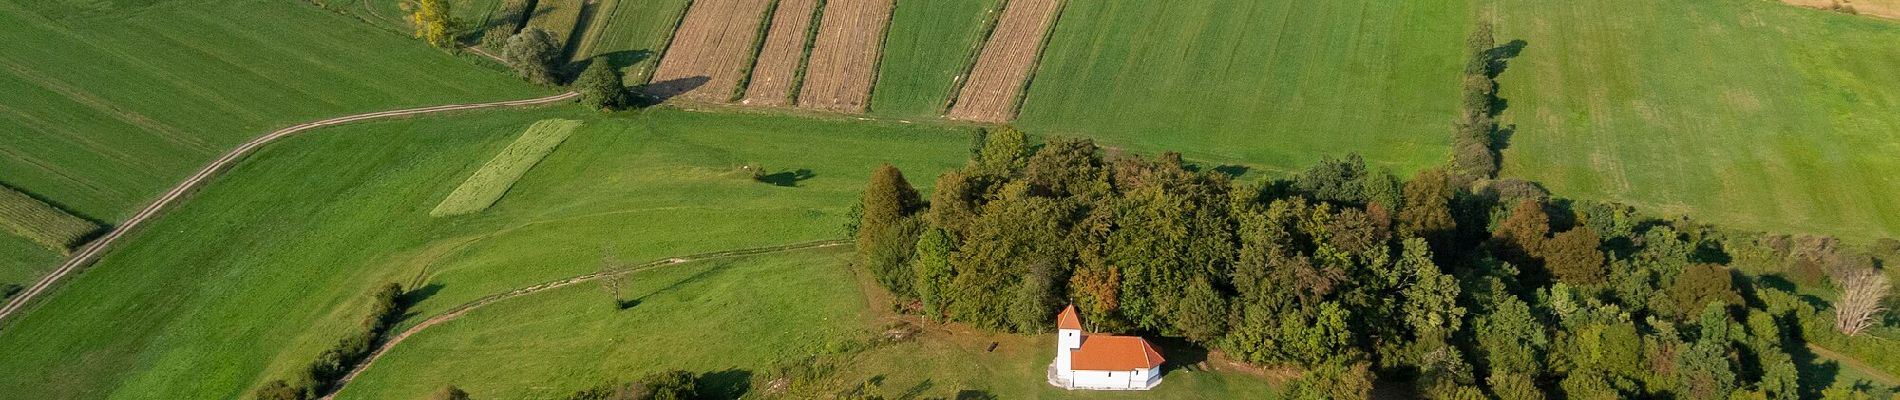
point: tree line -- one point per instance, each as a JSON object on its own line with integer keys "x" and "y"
{"x": 1490, "y": 288}
{"x": 323, "y": 373}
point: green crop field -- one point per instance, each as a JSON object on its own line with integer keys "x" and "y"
{"x": 1278, "y": 84}
{"x": 489, "y": 183}
{"x": 559, "y": 17}
{"x": 631, "y": 34}
{"x": 1748, "y": 113}
{"x": 275, "y": 259}
{"x": 930, "y": 44}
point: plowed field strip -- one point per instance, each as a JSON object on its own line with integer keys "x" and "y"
{"x": 711, "y": 50}
{"x": 843, "y": 63}
{"x": 777, "y": 68}
{"x": 1008, "y": 58}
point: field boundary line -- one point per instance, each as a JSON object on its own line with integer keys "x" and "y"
{"x": 1042, "y": 51}
{"x": 976, "y": 50}
{"x": 463, "y": 309}
{"x": 92, "y": 251}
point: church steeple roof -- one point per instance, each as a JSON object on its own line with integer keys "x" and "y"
{"x": 1068, "y": 319}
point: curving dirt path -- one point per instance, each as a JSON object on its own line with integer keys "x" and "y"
{"x": 1872, "y": 372}
{"x": 98, "y": 246}
{"x": 458, "y": 311}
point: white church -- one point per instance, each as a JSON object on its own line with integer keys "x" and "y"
{"x": 1101, "y": 362}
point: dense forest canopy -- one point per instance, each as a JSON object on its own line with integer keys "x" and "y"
{"x": 1463, "y": 286}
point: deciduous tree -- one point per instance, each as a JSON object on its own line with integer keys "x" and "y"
{"x": 1574, "y": 257}
{"x": 532, "y": 54}
{"x": 431, "y": 20}
{"x": 600, "y": 86}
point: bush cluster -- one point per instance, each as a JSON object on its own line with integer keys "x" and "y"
{"x": 386, "y": 308}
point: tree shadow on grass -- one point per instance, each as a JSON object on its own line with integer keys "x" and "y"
{"x": 786, "y": 178}
{"x": 1233, "y": 171}
{"x": 659, "y": 92}
{"x": 1180, "y": 354}
{"x": 411, "y": 297}
{"x": 727, "y": 384}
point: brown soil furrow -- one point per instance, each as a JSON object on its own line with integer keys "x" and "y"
{"x": 710, "y": 51}
{"x": 843, "y": 63}
{"x": 1008, "y": 58}
{"x": 777, "y": 67}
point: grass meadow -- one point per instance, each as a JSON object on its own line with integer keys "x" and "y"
{"x": 111, "y": 102}
{"x": 930, "y": 44}
{"x": 735, "y": 318}
{"x": 489, "y": 183}
{"x": 1277, "y": 84}
{"x": 1752, "y": 114}
{"x": 271, "y": 263}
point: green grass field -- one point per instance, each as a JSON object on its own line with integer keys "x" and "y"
{"x": 930, "y": 43}
{"x": 559, "y": 17}
{"x": 1752, "y": 114}
{"x": 1277, "y": 84}
{"x": 632, "y": 34}
{"x": 274, "y": 259}
{"x": 111, "y": 102}
{"x": 741, "y": 315}
{"x": 489, "y": 183}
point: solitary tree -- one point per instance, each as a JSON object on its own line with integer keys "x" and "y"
{"x": 431, "y": 18}
{"x": 1862, "y": 290}
{"x": 531, "y": 53}
{"x": 600, "y": 86}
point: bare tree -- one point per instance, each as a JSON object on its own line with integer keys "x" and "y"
{"x": 1862, "y": 292}
{"x": 611, "y": 278}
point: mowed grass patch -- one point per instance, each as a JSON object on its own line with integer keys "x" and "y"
{"x": 736, "y": 316}
{"x": 1273, "y": 83}
{"x": 30, "y": 218}
{"x": 1777, "y": 118}
{"x": 492, "y": 181}
{"x": 268, "y": 266}
{"x": 931, "y": 43}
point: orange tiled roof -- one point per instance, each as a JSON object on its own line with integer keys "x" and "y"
{"x": 1114, "y": 353}
{"x": 1068, "y": 320}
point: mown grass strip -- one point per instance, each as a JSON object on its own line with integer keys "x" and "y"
{"x": 42, "y": 223}
{"x": 490, "y": 182}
